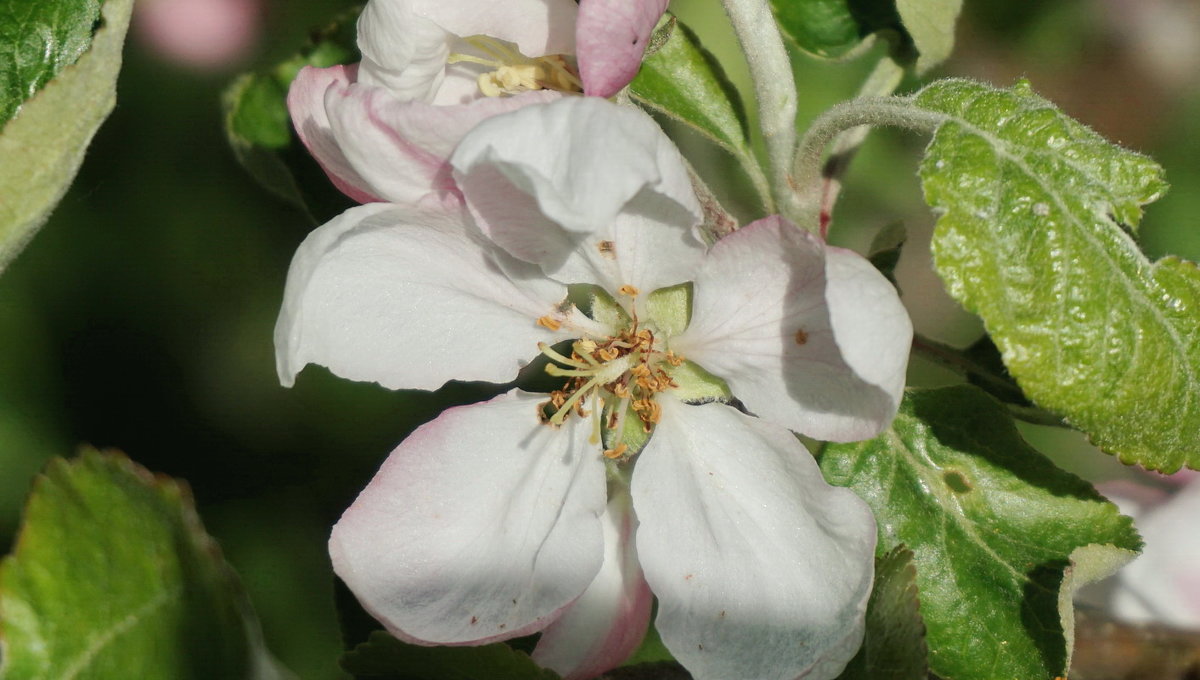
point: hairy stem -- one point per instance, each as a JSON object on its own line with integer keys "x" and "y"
{"x": 987, "y": 379}
{"x": 873, "y": 111}
{"x": 882, "y": 81}
{"x": 774, "y": 90}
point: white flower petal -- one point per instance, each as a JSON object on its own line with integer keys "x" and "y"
{"x": 538, "y": 27}
{"x": 809, "y": 337}
{"x": 607, "y": 623}
{"x": 401, "y": 149}
{"x": 612, "y": 37}
{"x": 480, "y": 526}
{"x": 402, "y": 50}
{"x": 761, "y": 569}
{"x": 306, "y": 105}
{"x": 575, "y": 168}
{"x": 1162, "y": 585}
{"x": 410, "y": 299}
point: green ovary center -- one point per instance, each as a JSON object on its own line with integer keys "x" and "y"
{"x": 622, "y": 374}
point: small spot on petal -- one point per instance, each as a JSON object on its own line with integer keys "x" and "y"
{"x": 607, "y": 249}
{"x": 801, "y": 337}
{"x": 688, "y": 577}
{"x": 474, "y": 620}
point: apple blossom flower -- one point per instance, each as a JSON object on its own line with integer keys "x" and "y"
{"x": 1162, "y": 585}
{"x": 204, "y": 34}
{"x": 564, "y": 512}
{"x": 384, "y": 128}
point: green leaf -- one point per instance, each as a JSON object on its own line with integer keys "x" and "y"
{"x": 42, "y": 49}
{"x": 930, "y": 24}
{"x": 113, "y": 577}
{"x": 684, "y": 82}
{"x": 1034, "y": 209}
{"x": 1000, "y": 537}
{"x": 259, "y": 129}
{"x": 885, "y": 249}
{"x": 894, "y": 646}
{"x": 832, "y": 28}
{"x": 383, "y": 657}
{"x": 37, "y": 41}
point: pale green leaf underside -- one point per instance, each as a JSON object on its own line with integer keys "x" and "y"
{"x": 41, "y": 149}
{"x": 993, "y": 526}
{"x": 930, "y": 23}
{"x": 112, "y": 576}
{"x": 685, "y": 83}
{"x": 1033, "y": 210}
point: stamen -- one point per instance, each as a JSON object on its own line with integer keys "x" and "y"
{"x": 575, "y": 398}
{"x": 549, "y": 351}
{"x": 550, "y": 323}
{"x": 615, "y": 453}
{"x": 628, "y": 290}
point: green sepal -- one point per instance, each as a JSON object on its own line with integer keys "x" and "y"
{"x": 886, "y": 247}
{"x": 259, "y": 129}
{"x": 1001, "y": 538}
{"x": 633, "y": 432}
{"x": 60, "y": 81}
{"x": 894, "y": 645}
{"x": 670, "y": 308}
{"x": 1035, "y": 235}
{"x": 114, "y": 577}
{"x": 696, "y": 385}
{"x": 598, "y": 304}
{"x": 383, "y": 657}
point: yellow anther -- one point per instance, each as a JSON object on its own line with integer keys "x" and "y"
{"x": 549, "y": 322}
{"x": 674, "y": 359}
{"x": 613, "y": 454}
{"x": 628, "y": 290}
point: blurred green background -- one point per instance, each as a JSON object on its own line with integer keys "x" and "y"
{"x": 141, "y": 316}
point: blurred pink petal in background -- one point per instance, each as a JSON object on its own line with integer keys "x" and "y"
{"x": 203, "y": 34}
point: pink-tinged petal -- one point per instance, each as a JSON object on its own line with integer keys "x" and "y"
{"x": 808, "y": 337}
{"x": 1162, "y": 585}
{"x": 543, "y": 179}
{"x": 538, "y": 27}
{"x": 611, "y": 37}
{"x": 402, "y": 50}
{"x": 761, "y": 569}
{"x": 306, "y": 104}
{"x": 204, "y": 34}
{"x": 607, "y": 623}
{"x": 411, "y": 299}
{"x": 401, "y": 149}
{"x": 481, "y": 526}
